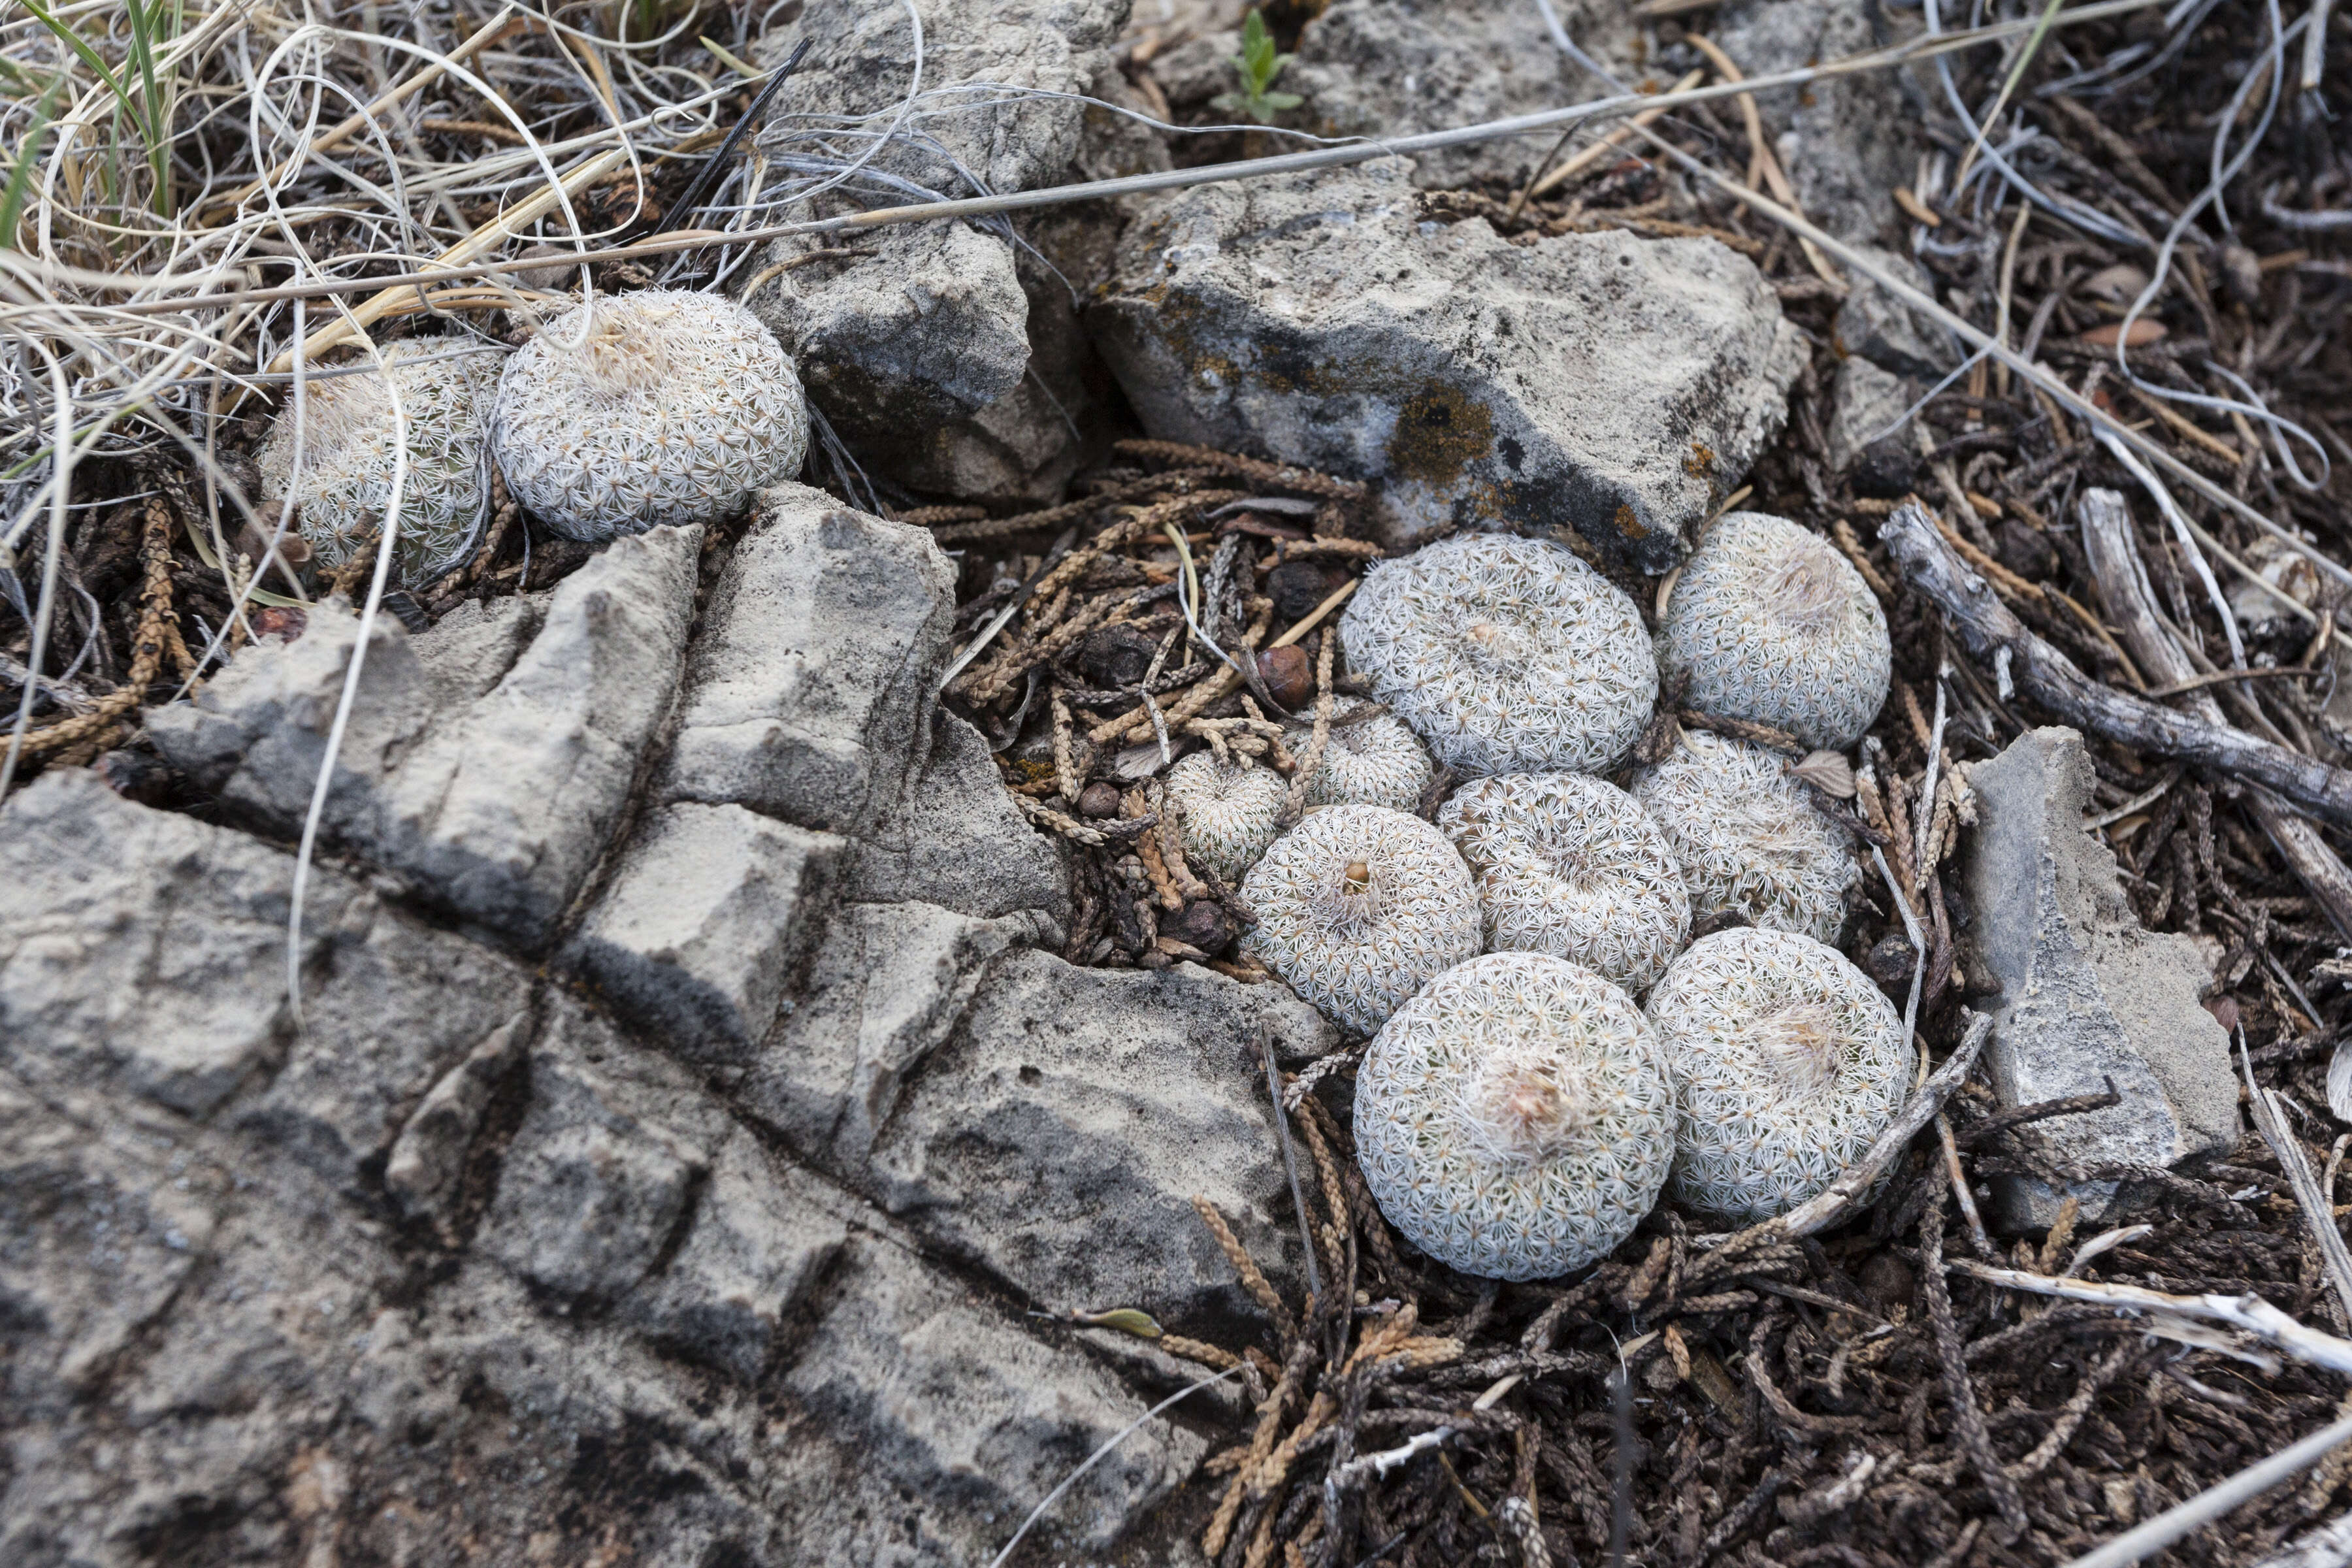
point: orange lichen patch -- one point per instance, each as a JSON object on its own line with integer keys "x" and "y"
{"x": 1700, "y": 464}
{"x": 1628, "y": 524}
{"x": 1439, "y": 433}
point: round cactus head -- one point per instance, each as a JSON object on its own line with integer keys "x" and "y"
{"x": 1788, "y": 1063}
{"x": 663, "y": 406}
{"x": 1504, "y": 654}
{"x": 1773, "y": 626}
{"x": 1231, "y": 813}
{"x": 352, "y": 446}
{"x": 1748, "y": 841}
{"x": 1572, "y": 867}
{"x": 1516, "y": 1119}
{"x": 1370, "y": 760}
{"x": 1358, "y": 907}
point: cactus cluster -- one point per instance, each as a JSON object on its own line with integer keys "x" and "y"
{"x": 661, "y": 406}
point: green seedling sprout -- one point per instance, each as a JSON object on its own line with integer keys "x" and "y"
{"x": 1257, "y": 65}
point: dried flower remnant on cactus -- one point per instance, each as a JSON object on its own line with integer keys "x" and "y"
{"x": 351, "y": 447}
{"x": 1358, "y": 907}
{"x": 1515, "y": 1119}
{"x": 1572, "y": 867}
{"x": 1375, "y": 760}
{"x": 1506, "y": 655}
{"x": 1773, "y": 626}
{"x": 1788, "y": 1063}
{"x": 1747, "y": 840}
{"x": 675, "y": 408}
{"x": 1231, "y": 812}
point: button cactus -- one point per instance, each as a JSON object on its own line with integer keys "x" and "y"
{"x": 1748, "y": 841}
{"x": 1515, "y": 1119}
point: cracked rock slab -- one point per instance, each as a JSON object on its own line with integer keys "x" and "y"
{"x": 2087, "y": 995}
{"x": 497, "y": 808}
{"x": 808, "y": 693}
{"x": 705, "y": 921}
{"x": 1617, "y": 386}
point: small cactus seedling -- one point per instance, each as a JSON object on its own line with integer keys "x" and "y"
{"x": 1572, "y": 867}
{"x": 1358, "y": 907}
{"x": 351, "y": 447}
{"x": 675, "y": 408}
{"x": 1231, "y": 813}
{"x": 1515, "y": 1119}
{"x": 1372, "y": 761}
{"x": 1788, "y": 1063}
{"x": 1506, "y": 655}
{"x": 1748, "y": 841}
{"x": 1773, "y": 626}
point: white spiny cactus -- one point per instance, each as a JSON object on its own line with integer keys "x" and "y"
{"x": 350, "y": 450}
{"x": 1788, "y": 1063}
{"x": 1375, "y": 760}
{"x": 1504, "y": 654}
{"x": 1358, "y": 906}
{"x": 1515, "y": 1119}
{"x": 1231, "y": 812}
{"x": 1775, "y": 627}
{"x": 1748, "y": 840}
{"x": 1572, "y": 867}
{"x": 676, "y": 407}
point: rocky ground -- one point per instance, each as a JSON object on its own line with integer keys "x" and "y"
{"x": 711, "y": 1083}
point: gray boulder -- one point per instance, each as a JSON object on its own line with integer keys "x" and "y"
{"x": 947, "y": 355}
{"x": 496, "y": 809}
{"x": 2085, "y": 995}
{"x": 1397, "y": 67}
{"x": 1614, "y": 385}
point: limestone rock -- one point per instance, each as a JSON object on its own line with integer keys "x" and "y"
{"x": 1845, "y": 142}
{"x": 1094, "y": 1104}
{"x": 809, "y": 694}
{"x": 1614, "y": 385}
{"x": 2085, "y": 995}
{"x": 1867, "y": 418}
{"x": 1873, "y": 323}
{"x": 945, "y": 355}
{"x": 705, "y": 922}
{"x": 958, "y": 841}
{"x": 1397, "y": 67}
{"x": 428, "y": 1158}
{"x": 499, "y": 808}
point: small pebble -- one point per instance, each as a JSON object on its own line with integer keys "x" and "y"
{"x": 273, "y": 622}
{"x": 1297, "y": 587}
{"x": 1289, "y": 678}
{"x": 1203, "y": 924}
{"x": 1114, "y": 657}
{"x": 1890, "y": 962}
{"x": 1098, "y": 799}
{"x": 1887, "y": 1280}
